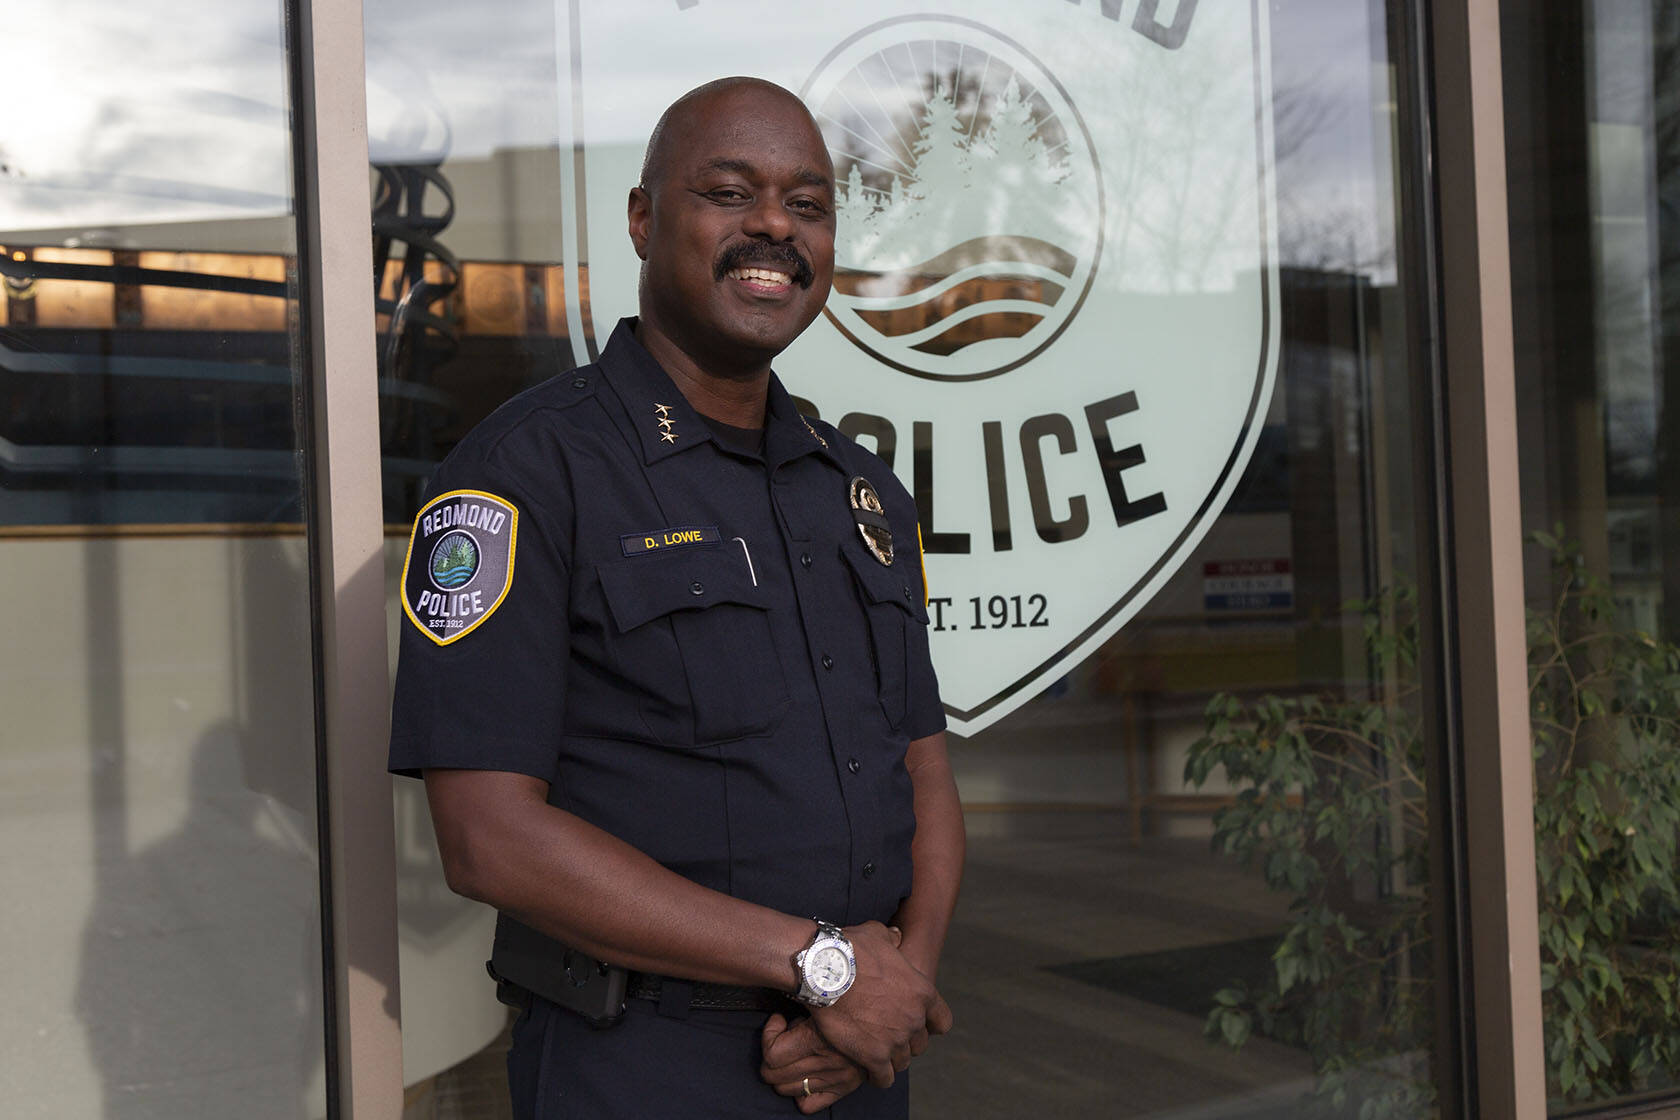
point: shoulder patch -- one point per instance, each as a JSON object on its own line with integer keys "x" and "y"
{"x": 460, "y": 563}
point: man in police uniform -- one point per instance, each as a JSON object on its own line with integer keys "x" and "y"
{"x": 666, "y": 674}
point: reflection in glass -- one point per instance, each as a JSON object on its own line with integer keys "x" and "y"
{"x": 163, "y": 945}
{"x": 1106, "y": 959}
{"x": 1593, "y": 120}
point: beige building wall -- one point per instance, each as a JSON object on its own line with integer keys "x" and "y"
{"x": 158, "y": 792}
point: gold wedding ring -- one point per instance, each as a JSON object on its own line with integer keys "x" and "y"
{"x": 806, "y": 1085}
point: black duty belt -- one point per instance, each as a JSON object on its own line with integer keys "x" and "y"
{"x": 709, "y": 997}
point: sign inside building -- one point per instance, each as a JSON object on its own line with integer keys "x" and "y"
{"x": 1055, "y": 306}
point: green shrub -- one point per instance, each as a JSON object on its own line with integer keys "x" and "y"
{"x": 1330, "y": 807}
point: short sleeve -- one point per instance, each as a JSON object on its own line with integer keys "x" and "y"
{"x": 482, "y": 659}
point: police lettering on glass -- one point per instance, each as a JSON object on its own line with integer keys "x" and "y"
{"x": 666, "y": 677}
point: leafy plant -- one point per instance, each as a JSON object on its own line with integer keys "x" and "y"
{"x": 1330, "y": 806}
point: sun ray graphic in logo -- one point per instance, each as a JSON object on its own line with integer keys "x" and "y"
{"x": 454, "y": 560}
{"x": 969, "y": 198}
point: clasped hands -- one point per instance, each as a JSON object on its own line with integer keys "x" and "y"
{"x": 871, "y": 1033}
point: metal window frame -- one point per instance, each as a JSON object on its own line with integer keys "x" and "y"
{"x": 347, "y": 571}
{"x": 1481, "y": 556}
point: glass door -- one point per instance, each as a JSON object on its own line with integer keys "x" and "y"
{"x": 1122, "y": 297}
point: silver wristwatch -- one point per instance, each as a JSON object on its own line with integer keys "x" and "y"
{"x": 827, "y": 966}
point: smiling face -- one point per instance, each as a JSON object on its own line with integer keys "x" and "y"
{"x": 734, "y": 223}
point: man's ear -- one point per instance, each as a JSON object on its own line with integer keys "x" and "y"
{"x": 640, "y": 212}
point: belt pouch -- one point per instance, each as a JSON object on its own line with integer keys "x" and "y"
{"x": 567, "y": 977}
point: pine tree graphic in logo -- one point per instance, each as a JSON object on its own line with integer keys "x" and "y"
{"x": 969, "y": 199}
{"x": 454, "y": 560}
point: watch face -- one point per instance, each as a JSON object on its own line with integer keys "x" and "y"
{"x": 828, "y": 969}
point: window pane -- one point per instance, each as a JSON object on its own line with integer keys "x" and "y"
{"x": 162, "y": 947}
{"x": 1592, "y": 116}
{"x": 1122, "y": 302}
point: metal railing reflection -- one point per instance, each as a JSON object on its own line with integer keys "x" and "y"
{"x": 171, "y": 373}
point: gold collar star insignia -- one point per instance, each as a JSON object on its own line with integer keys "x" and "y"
{"x": 813, "y": 432}
{"x": 668, "y": 437}
{"x": 662, "y": 409}
{"x": 663, "y": 417}
{"x": 666, "y": 422}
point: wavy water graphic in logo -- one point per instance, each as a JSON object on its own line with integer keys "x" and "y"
{"x": 969, "y": 203}
{"x": 987, "y": 287}
{"x": 454, "y": 560}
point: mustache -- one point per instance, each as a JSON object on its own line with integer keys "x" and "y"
{"x": 765, "y": 254}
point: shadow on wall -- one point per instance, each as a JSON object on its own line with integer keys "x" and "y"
{"x": 199, "y": 987}
{"x": 200, "y": 981}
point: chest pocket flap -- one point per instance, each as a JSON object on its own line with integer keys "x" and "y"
{"x": 881, "y": 584}
{"x": 894, "y": 607}
{"x": 640, "y": 589}
{"x": 704, "y": 599}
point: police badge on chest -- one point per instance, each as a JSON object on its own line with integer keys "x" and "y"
{"x": 871, "y": 518}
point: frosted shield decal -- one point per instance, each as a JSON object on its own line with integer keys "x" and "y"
{"x": 1055, "y": 301}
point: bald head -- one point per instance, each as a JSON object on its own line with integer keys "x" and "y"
{"x": 692, "y": 107}
{"x": 734, "y": 223}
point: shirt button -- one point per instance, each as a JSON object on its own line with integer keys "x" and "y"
{"x": 827, "y": 661}
{"x": 853, "y": 765}
{"x": 580, "y": 382}
{"x": 869, "y": 870}
{"x": 697, "y": 587}
{"x": 805, "y": 559}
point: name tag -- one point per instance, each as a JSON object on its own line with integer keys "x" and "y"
{"x": 632, "y": 543}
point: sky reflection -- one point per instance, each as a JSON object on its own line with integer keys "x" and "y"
{"x": 176, "y": 111}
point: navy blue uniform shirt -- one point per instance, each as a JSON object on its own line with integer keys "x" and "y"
{"x": 691, "y": 643}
